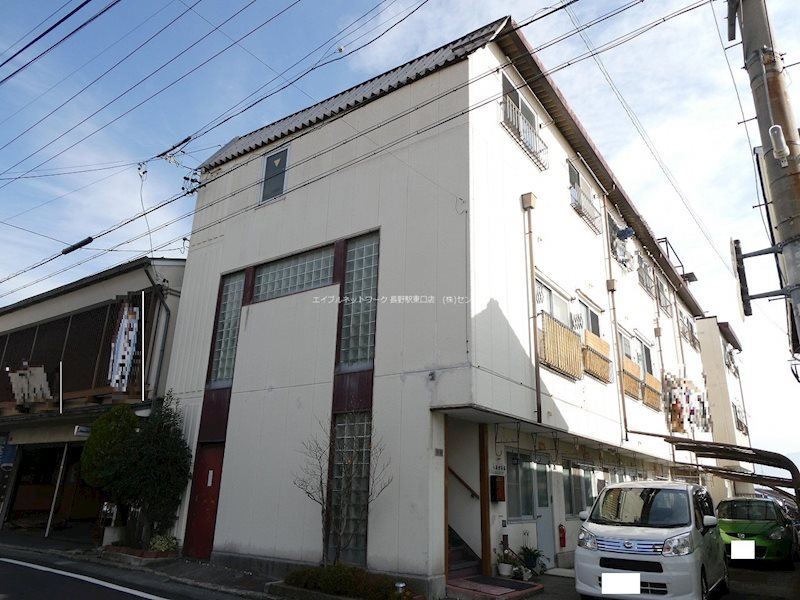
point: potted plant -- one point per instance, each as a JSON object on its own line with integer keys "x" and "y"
{"x": 505, "y": 563}
{"x": 533, "y": 559}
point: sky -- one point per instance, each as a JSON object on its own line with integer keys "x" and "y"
{"x": 81, "y": 124}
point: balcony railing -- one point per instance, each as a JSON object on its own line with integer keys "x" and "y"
{"x": 631, "y": 380}
{"x": 584, "y": 206}
{"x": 525, "y": 134}
{"x": 596, "y": 357}
{"x": 560, "y": 347}
{"x": 652, "y": 391}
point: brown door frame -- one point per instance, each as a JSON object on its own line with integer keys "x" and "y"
{"x": 483, "y": 452}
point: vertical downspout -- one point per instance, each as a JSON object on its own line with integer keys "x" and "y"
{"x": 611, "y": 287}
{"x": 528, "y": 204}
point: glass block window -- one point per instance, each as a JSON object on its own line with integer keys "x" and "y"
{"x": 227, "y": 327}
{"x": 360, "y": 300}
{"x": 294, "y": 274}
{"x": 350, "y": 489}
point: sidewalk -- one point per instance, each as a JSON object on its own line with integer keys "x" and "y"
{"x": 179, "y": 570}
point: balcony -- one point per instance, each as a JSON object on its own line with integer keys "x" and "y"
{"x": 631, "y": 378}
{"x": 560, "y": 347}
{"x": 596, "y": 357}
{"x": 525, "y": 134}
{"x": 652, "y": 391}
{"x": 584, "y": 206}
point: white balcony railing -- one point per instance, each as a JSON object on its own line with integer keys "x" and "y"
{"x": 584, "y": 206}
{"x": 525, "y": 134}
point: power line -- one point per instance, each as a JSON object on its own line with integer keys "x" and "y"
{"x": 63, "y": 39}
{"x": 99, "y": 77}
{"x": 115, "y": 119}
{"x": 603, "y": 48}
{"x": 95, "y": 57}
{"x": 44, "y": 33}
{"x": 35, "y": 27}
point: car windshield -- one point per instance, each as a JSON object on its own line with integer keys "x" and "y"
{"x": 747, "y": 510}
{"x": 643, "y": 507}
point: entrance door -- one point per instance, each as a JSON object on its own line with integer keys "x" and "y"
{"x": 202, "y": 514}
{"x": 545, "y": 534}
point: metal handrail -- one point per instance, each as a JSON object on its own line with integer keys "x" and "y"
{"x": 525, "y": 133}
{"x": 472, "y": 492}
{"x": 584, "y": 206}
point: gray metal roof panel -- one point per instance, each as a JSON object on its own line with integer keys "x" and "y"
{"x": 360, "y": 94}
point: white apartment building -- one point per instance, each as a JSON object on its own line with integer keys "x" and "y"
{"x": 437, "y": 259}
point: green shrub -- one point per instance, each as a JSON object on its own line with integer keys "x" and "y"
{"x": 344, "y": 580}
{"x": 163, "y": 543}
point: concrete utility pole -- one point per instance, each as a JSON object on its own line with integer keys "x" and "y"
{"x": 779, "y": 137}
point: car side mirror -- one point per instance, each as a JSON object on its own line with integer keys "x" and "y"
{"x": 583, "y": 515}
{"x": 709, "y": 521}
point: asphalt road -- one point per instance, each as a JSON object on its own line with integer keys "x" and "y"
{"x": 748, "y": 581}
{"x": 34, "y": 576}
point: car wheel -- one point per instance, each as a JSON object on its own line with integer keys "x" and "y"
{"x": 703, "y": 586}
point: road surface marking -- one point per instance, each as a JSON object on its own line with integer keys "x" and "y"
{"x": 86, "y": 578}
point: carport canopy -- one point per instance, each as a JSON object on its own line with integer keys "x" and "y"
{"x": 720, "y": 451}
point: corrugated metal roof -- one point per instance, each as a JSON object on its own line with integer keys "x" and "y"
{"x": 360, "y": 94}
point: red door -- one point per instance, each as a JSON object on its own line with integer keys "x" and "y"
{"x": 202, "y": 514}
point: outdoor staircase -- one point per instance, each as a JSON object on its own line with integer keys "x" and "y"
{"x": 461, "y": 560}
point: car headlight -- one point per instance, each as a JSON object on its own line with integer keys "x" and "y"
{"x": 679, "y": 545}
{"x": 777, "y": 534}
{"x": 587, "y": 540}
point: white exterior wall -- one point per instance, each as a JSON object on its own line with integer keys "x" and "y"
{"x": 413, "y": 196}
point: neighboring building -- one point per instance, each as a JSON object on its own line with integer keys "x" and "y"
{"x": 719, "y": 349}
{"x": 69, "y": 355}
{"x": 497, "y": 349}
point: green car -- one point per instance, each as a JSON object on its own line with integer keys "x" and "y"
{"x": 761, "y": 520}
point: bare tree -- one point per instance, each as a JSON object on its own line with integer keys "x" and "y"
{"x": 344, "y": 487}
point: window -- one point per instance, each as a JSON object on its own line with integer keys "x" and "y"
{"x": 350, "y": 488}
{"x": 274, "y": 175}
{"x": 360, "y": 301}
{"x": 520, "y": 121}
{"x": 664, "y": 301}
{"x": 581, "y": 199}
{"x": 294, "y": 274}
{"x": 647, "y": 276}
{"x": 625, "y": 344}
{"x": 580, "y": 487}
{"x": 686, "y": 328}
{"x": 590, "y": 319}
{"x": 227, "y": 334}
{"x": 647, "y": 359}
{"x": 520, "y": 486}
{"x": 553, "y": 303}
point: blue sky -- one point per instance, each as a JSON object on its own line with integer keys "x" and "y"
{"x": 674, "y": 77}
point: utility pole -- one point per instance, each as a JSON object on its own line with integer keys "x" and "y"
{"x": 779, "y": 138}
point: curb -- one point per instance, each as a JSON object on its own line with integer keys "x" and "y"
{"x": 131, "y": 567}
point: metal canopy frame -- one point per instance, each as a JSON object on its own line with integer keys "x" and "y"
{"x": 718, "y": 450}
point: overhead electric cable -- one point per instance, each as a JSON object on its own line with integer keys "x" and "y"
{"x": 44, "y": 33}
{"x": 97, "y": 15}
{"x": 161, "y": 90}
{"x": 92, "y": 59}
{"x": 35, "y": 27}
{"x": 99, "y": 77}
{"x": 603, "y": 48}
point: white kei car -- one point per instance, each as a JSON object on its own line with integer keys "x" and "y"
{"x": 664, "y": 531}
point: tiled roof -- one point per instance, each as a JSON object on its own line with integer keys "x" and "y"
{"x": 360, "y": 94}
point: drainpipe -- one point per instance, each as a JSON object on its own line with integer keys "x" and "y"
{"x": 611, "y": 287}
{"x": 528, "y": 204}
{"x": 167, "y": 314}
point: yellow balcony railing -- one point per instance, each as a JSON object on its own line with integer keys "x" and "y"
{"x": 596, "y": 357}
{"x": 560, "y": 347}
